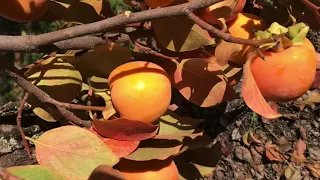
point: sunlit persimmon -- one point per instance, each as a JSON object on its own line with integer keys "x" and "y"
{"x": 140, "y": 90}
{"x": 243, "y": 26}
{"x": 148, "y": 170}
{"x": 285, "y": 75}
{"x": 221, "y": 9}
{"x": 23, "y": 10}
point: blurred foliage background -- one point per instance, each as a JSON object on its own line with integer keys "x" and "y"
{"x": 9, "y": 90}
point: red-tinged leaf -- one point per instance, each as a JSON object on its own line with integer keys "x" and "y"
{"x": 120, "y": 148}
{"x": 124, "y": 129}
{"x": 298, "y": 154}
{"x": 200, "y": 82}
{"x": 272, "y": 152}
{"x": 275, "y": 107}
{"x": 155, "y": 149}
{"x": 106, "y": 172}
{"x": 72, "y": 151}
{"x": 253, "y": 97}
{"x": 314, "y": 169}
{"x": 35, "y": 172}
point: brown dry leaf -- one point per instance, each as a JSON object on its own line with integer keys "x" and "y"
{"x": 224, "y": 51}
{"x": 243, "y": 153}
{"x": 292, "y": 173}
{"x": 315, "y": 169}
{"x": 273, "y": 106}
{"x": 249, "y": 138}
{"x": 282, "y": 44}
{"x": 256, "y": 156}
{"x": 272, "y": 152}
{"x": 245, "y": 138}
{"x": 311, "y": 100}
{"x": 298, "y": 154}
{"x": 314, "y": 153}
{"x": 254, "y": 138}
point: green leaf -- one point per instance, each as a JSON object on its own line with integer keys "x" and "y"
{"x": 35, "y": 172}
{"x": 119, "y": 6}
{"x": 298, "y": 33}
{"x": 72, "y": 151}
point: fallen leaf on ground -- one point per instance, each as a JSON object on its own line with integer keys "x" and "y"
{"x": 298, "y": 154}
{"x": 292, "y": 173}
{"x": 312, "y": 99}
{"x": 303, "y": 132}
{"x": 315, "y": 169}
{"x": 243, "y": 153}
{"x": 283, "y": 144}
{"x": 255, "y": 156}
{"x": 314, "y": 154}
{"x": 273, "y": 106}
{"x": 236, "y": 135}
{"x": 254, "y": 139}
{"x": 272, "y": 152}
{"x": 35, "y": 172}
{"x": 245, "y": 138}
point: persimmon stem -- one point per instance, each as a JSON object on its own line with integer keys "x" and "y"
{"x": 18, "y": 119}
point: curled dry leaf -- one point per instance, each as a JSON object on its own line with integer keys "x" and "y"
{"x": 180, "y": 34}
{"x": 243, "y": 153}
{"x": 120, "y": 148}
{"x": 292, "y": 173}
{"x": 224, "y": 52}
{"x": 155, "y": 149}
{"x": 200, "y": 82}
{"x": 53, "y": 75}
{"x": 124, "y": 129}
{"x": 298, "y": 154}
{"x": 314, "y": 169}
{"x": 249, "y": 138}
{"x": 252, "y": 95}
{"x": 35, "y": 172}
{"x": 272, "y": 152}
{"x": 63, "y": 148}
{"x": 106, "y": 172}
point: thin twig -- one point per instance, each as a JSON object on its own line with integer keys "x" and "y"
{"x": 313, "y": 8}
{"x": 150, "y": 51}
{"x": 5, "y": 175}
{"x": 226, "y": 36}
{"x": 25, "y": 143}
{"x": 43, "y": 97}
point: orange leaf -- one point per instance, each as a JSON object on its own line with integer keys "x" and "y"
{"x": 120, "y": 148}
{"x": 272, "y": 152}
{"x": 253, "y": 97}
{"x": 200, "y": 82}
{"x": 315, "y": 169}
{"x": 298, "y": 154}
{"x": 224, "y": 52}
{"x": 124, "y": 129}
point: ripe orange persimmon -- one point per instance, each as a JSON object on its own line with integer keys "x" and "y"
{"x": 285, "y": 75}
{"x": 140, "y": 90}
{"x": 212, "y": 13}
{"x": 242, "y": 26}
{"x": 23, "y": 10}
{"x": 148, "y": 170}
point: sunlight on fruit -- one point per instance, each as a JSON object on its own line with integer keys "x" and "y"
{"x": 140, "y": 91}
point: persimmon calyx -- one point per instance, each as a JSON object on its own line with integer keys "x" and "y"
{"x": 293, "y": 35}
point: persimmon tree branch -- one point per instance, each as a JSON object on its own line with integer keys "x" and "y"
{"x": 5, "y": 175}
{"x": 226, "y": 36}
{"x": 313, "y": 8}
{"x": 30, "y": 43}
{"x": 43, "y": 97}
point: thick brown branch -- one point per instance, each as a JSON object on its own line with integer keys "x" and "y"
{"x": 313, "y": 8}
{"x": 43, "y": 97}
{"x": 31, "y": 43}
{"x": 5, "y": 175}
{"x": 227, "y": 36}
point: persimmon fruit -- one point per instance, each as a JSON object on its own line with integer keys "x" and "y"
{"x": 140, "y": 90}
{"x": 148, "y": 170}
{"x": 212, "y": 13}
{"x": 242, "y": 27}
{"x": 285, "y": 75}
{"x": 23, "y": 10}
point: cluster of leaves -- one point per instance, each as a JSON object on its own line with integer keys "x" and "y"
{"x": 82, "y": 75}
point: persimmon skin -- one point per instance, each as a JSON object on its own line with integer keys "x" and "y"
{"x": 210, "y": 13}
{"x": 148, "y": 170}
{"x": 23, "y": 10}
{"x": 242, "y": 27}
{"x": 140, "y": 91}
{"x": 285, "y": 75}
